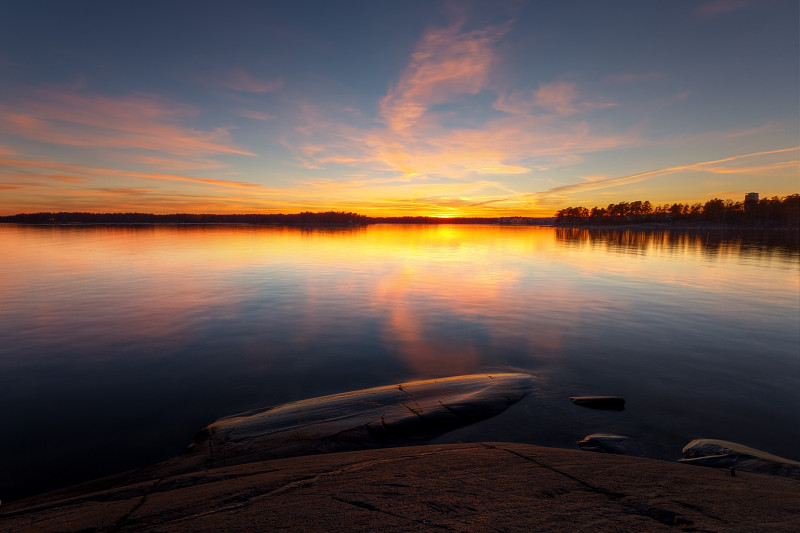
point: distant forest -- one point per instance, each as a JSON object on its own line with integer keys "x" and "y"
{"x": 764, "y": 212}
{"x": 330, "y": 218}
{"x": 326, "y": 219}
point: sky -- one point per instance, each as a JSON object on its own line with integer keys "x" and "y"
{"x": 433, "y": 108}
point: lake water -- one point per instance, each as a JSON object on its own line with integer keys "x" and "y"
{"x": 117, "y": 344}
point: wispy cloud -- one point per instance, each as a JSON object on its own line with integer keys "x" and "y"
{"x": 239, "y": 80}
{"x": 168, "y": 164}
{"x": 561, "y": 98}
{"x": 792, "y": 166}
{"x": 128, "y": 199}
{"x": 60, "y": 171}
{"x": 255, "y": 115}
{"x": 440, "y": 119}
{"x": 45, "y": 185}
{"x": 707, "y": 166}
{"x": 130, "y": 123}
{"x": 445, "y": 64}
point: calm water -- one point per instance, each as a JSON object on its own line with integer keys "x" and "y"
{"x": 118, "y": 343}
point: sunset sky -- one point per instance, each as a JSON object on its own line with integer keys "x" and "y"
{"x": 404, "y": 107}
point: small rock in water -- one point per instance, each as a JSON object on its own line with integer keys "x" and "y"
{"x": 609, "y": 403}
{"x": 603, "y": 442}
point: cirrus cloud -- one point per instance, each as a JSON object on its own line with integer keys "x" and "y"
{"x": 133, "y": 124}
{"x": 421, "y": 130}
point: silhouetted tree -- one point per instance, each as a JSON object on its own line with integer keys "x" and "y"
{"x": 766, "y": 212}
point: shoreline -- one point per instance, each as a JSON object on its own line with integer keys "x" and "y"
{"x": 604, "y": 227}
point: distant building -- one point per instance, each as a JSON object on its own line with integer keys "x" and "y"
{"x": 750, "y": 201}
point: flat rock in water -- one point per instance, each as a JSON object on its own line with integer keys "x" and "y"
{"x": 407, "y": 413}
{"x": 609, "y": 403}
{"x": 725, "y": 454}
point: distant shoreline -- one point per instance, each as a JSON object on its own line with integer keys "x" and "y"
{"x": 352, "y": 220}
{"x": 306, "y": 219}
{"x": 432, "y": 222}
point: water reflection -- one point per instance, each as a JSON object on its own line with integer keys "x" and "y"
{"x": 124, "y": 339}
{"x": 727, "y": 242}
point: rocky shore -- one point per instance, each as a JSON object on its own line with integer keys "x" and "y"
{"x": 458, "y": 487}
{"x": 358, "y": 461}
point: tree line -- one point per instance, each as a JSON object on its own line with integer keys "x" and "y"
{"x": 328, "y": 218}
{"x": 764, "y": 212}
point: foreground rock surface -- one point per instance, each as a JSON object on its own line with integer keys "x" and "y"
{"x": 458, "y": 487}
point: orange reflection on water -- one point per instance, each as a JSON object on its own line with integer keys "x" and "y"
{"x": 439, "y": 297}
{"x": 453, "y": 272}
{"x": 405, "y": 329}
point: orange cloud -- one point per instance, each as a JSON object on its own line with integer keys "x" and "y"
{"x": 417, "y": 139}
{"x": 558, "y": 97}
{"x": 190, "y": 179}
{"x": 445, "y": 63}
{"x": 45, "y": 169}
{"x": 500, "y": 146}
{"x": 169, "y": 164}
{"x": 561, "y": 98}
{"x": 32, "y": 198}
{"x": 140, "y": 122}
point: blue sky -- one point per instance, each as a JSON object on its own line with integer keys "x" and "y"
{"x": 424, "y": 108}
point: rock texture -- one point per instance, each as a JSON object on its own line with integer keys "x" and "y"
{"x": 459, "y": 487}
{"x": 393, "y": 415}
{"x": 726, "y": 454}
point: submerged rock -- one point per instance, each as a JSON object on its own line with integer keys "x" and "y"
{"x": 393, "y": 415}
{"x": 610, "y": 403}
{"x": 608, "y": 443}
{"x": 725, "y": 454}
